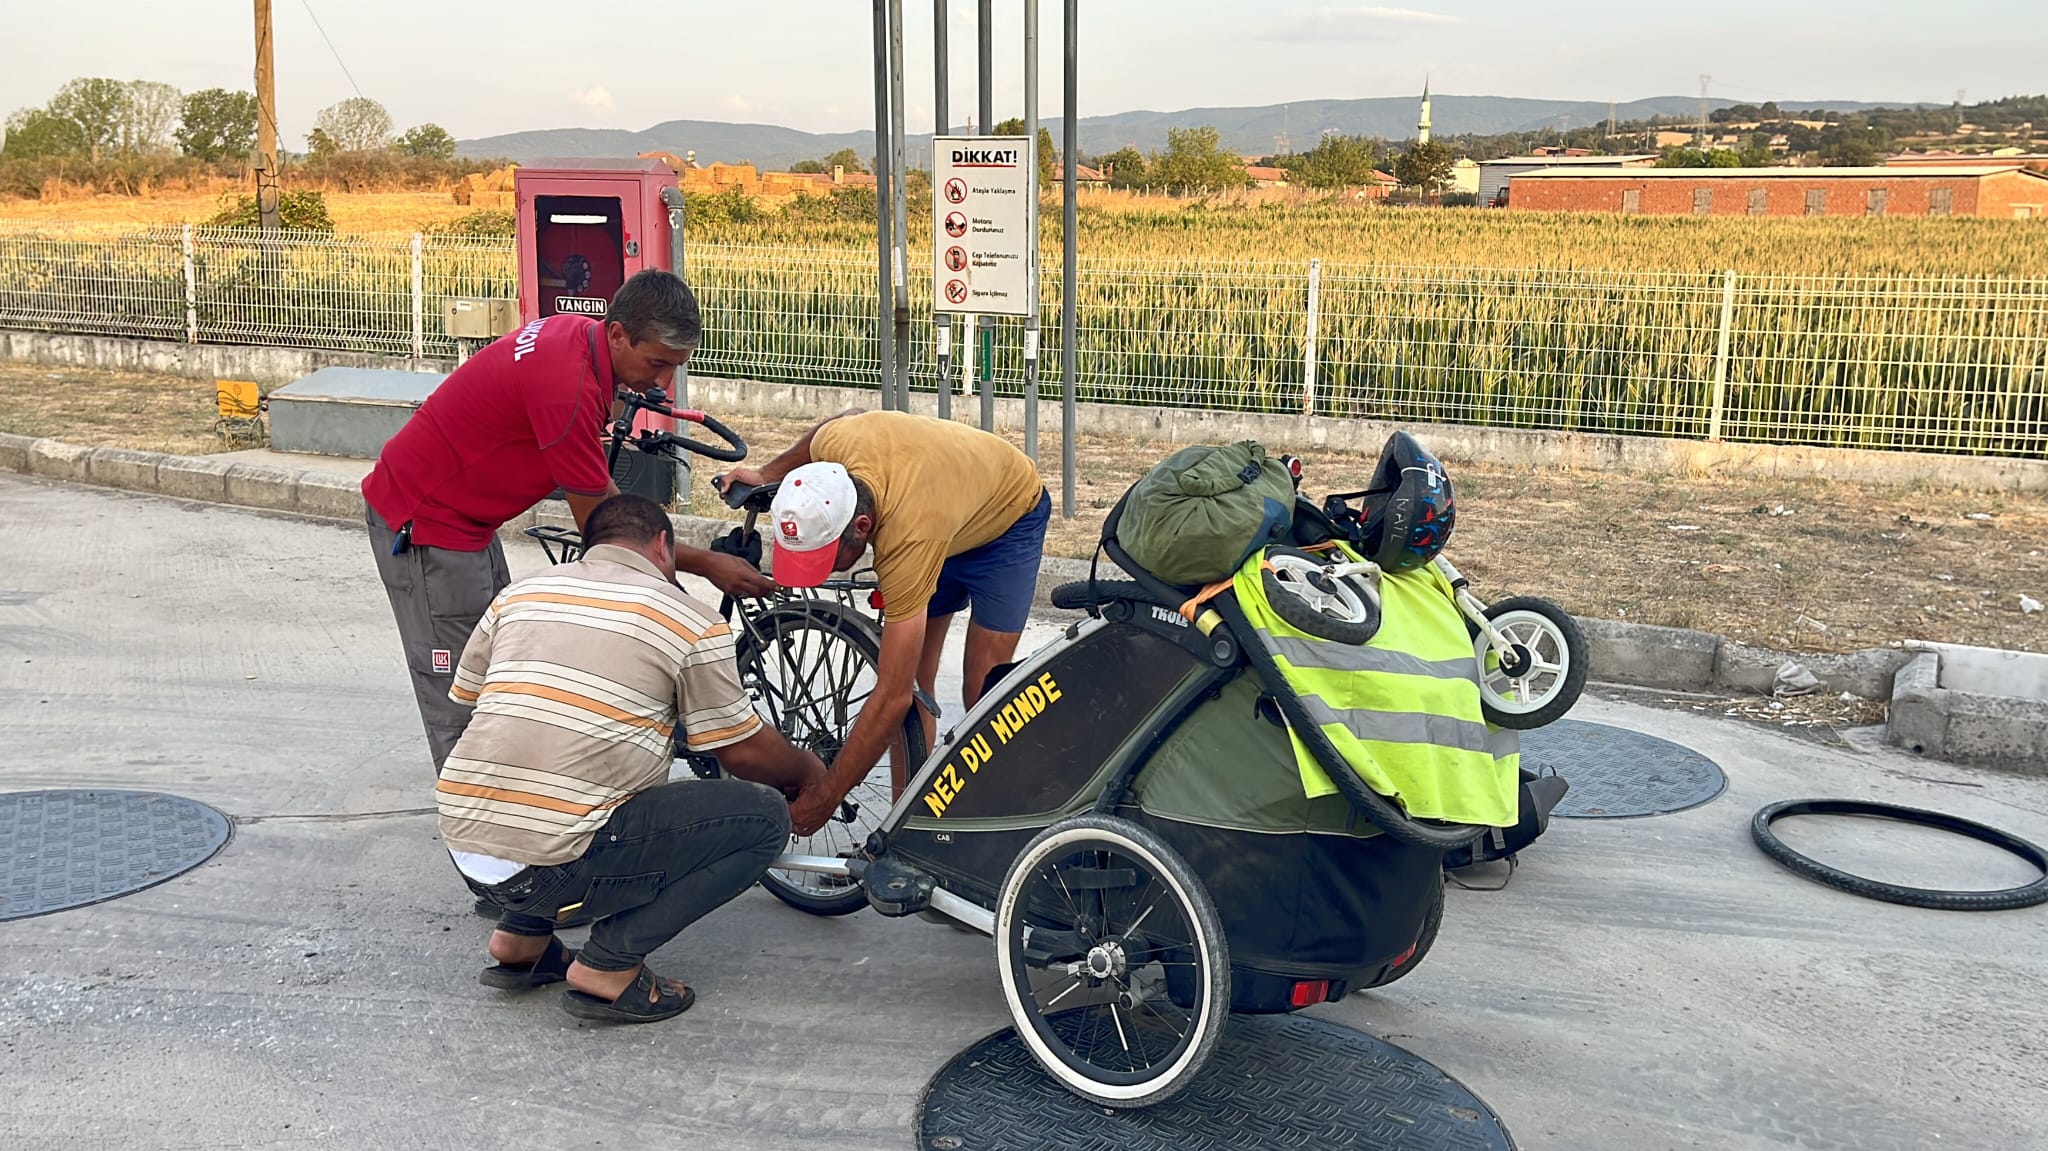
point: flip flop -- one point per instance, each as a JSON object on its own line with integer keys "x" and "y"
{"x": 551, "y": 967}
{"x": 632, "y": 1005}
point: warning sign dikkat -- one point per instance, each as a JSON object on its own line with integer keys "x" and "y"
{"x": 984, "y": 218}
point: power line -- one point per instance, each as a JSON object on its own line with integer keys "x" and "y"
{"x": 331, "y": 48}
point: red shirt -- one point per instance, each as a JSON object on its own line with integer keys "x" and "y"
{"x": 518, "y": 419}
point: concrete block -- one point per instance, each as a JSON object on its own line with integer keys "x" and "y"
{"x": 14, "y": 452}
{"x": 1634, "y": 653}
{"x": 330, "y": 496}
{"x": 1866, "y": 674}
{"x": 193, "y": 478}
{"x": 122, "y": 468}
{"x": 261, "y": 486}
{"x": 2002, "y": 731}
{"x": 56, "y": 460}
{"x": 1918, "y": 717}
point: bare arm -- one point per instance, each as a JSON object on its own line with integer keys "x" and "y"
{"x": 581, "y": 506}
{"x": 881, "y": 717}
{"x": 767, "y": 758}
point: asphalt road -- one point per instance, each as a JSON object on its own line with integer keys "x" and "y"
{"x": 1652, "y": 983}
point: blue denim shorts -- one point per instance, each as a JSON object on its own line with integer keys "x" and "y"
{"x": 1000, "y": 577}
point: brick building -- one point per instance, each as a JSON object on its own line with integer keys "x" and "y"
{"x": 2009, "y": 192}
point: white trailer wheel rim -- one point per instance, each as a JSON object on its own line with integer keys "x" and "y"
{"x": 1049, "y": 1059}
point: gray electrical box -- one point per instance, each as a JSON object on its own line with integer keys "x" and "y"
{"x": 468, "y": 319}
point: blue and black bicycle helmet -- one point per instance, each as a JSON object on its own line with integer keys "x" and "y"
{"x": 1406, "y": 513}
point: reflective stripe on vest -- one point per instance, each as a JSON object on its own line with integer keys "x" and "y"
{"x": 1402, "y": 710}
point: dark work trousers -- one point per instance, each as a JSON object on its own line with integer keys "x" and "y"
{"x": 666, "y": 858}
{"x": 437, "y": 596}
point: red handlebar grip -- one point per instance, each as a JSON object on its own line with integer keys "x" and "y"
{"x": 692, "y": 415}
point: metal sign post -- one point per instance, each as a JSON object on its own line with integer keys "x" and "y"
{"x": 942, "y": 321}
{"x": 1070, "y": 152}
{"x": 986, "y": 333}
{"x": 885, "y": 294}
{"x": 1031, "y": 230}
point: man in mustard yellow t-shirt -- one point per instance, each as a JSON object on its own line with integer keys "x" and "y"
{"x": 956, "y": 517}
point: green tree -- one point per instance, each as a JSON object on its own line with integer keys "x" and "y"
{"x": 1424, "y": 167}
{"x": 36, "y": 134}
{"x": 357, "y": 124}
{"x": 1125, "y": 167}
{"x": 215, "y": 124}
{"x": 1196, "y": 158}
{"x": 428, "y": 142}
{"x": 1337, "y": 161}
{"x": 98, "y": 106}
{"x": 151, "y": 112}
{"x": 807, "y": 168}
{"x": 845, "y": 158}
{"x": 320, "y": 145}
{"x": 1048, "y": 156}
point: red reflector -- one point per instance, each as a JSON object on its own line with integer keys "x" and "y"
{"x": 1310, "y": 993}
{"x": 875, "y": 600}
{"x": 1407, "y": 955}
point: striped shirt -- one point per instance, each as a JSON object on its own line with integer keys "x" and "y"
{"x": 579, "y": 677}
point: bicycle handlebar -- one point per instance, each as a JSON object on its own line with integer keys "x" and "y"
{"x": 655, "y": 401}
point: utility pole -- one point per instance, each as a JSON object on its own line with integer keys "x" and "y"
{"x": 1610, "y": 119}
{"x": 1959, "y": 111}
{"x": 266, "y": 123}
{"x": 1701, "y": 139}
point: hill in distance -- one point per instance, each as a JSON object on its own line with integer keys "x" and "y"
{"x": 1248, "y": 130}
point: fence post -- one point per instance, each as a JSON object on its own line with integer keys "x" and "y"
{"x": 1308, "y": 345}
{"x": 1721, "y": 356}
{"x": 419, "y": 304}
{"x": 191, "y": 293}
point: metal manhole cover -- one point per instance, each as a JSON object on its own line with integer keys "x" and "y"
{"x": 1616, "y": 773}
{"x": 67, "y": 849}
{"x": 1274, "y": 1081}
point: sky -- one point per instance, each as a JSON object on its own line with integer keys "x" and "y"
{"x": 482, "y": 68}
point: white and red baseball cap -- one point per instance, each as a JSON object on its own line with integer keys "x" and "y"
{"x": 812, "y": 507}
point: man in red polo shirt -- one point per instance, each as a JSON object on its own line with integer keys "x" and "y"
{"x": 520, "y": 418}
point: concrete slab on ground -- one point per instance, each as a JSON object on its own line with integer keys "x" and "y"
{"x": 1652, "y": 983}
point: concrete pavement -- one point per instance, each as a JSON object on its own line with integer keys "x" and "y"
{"x": 1649, "y": 983}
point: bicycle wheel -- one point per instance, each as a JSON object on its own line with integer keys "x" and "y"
{"x": 809, "y": 666}
{"x": 1549, "y": 670}
{"x": 1113, "y": 961}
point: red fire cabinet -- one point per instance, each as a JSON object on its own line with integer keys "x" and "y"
{"x": 583, "y": 227}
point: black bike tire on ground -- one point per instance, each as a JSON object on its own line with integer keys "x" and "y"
{"x": 1300, "y": 616}
{"x": 865, "y": 638}
{"x": 1806, "y": 867}
{"x": 1432, "y": 922}
{"x": 1574, "y": 676}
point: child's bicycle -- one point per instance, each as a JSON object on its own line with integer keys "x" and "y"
{"x": 1531, "y": 653}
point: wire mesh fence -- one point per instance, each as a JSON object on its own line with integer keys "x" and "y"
{"x": 1944, "y": 365}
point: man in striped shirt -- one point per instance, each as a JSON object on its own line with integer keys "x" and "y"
{"x": 556, "y": 799}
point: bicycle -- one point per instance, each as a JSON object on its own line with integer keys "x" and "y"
{"x": 808, "y": 660}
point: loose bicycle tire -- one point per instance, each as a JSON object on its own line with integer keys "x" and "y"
{"x": 1077, "y": 596}
{"x": 2009, "y": 899}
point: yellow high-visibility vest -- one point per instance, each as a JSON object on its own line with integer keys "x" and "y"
{"x": 1403, "y": 708}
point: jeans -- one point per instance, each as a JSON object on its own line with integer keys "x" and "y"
{"x": 666, "y": 858}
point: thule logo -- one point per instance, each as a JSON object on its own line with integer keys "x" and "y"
{"x": 1164, "y": 616}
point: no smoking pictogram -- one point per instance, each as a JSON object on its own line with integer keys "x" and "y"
{"x": 956, "y": 190}
{"x": 956, "y": 291}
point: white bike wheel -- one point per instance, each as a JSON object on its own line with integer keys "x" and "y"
{"x": 1557, "y": 673}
